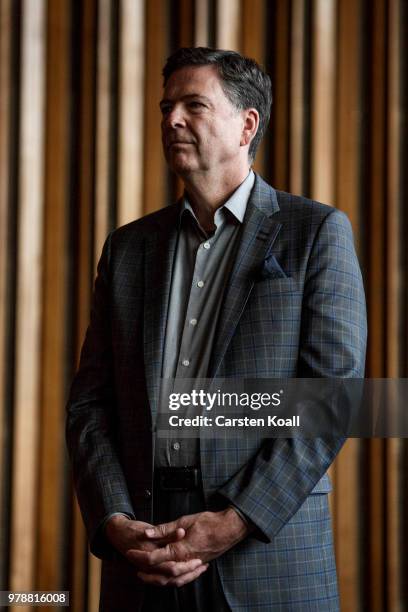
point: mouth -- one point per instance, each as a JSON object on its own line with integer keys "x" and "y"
{"x": 179, "y": 143}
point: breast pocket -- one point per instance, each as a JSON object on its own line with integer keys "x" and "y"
{"x": 274, "y": 308}
{"x": 277, "y": 299}
{"x": 277, "y": 286}
{"x": 266, "y": 340}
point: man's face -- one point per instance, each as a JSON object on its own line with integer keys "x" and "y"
{"x": 201, "y": 129}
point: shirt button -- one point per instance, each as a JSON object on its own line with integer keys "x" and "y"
{"x": 206, "y": 245}
{"x": 176, "y": 445}
{"x": 200, "y": 284}
{"x": 147, "y": 494}
{"x": 186, "y": 362}
{"x": 193, "y": 322}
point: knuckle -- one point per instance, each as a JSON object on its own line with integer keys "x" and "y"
{"x": 171, "y": 551}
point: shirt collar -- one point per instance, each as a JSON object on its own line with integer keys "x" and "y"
{"x": 236, "y": 204}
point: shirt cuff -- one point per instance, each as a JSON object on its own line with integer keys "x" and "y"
{"x": 246, "y": 520}
{"x": 107, "y": 518}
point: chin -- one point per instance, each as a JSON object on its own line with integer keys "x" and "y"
{"x": 182, "y": 167}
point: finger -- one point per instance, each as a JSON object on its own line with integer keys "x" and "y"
{"x": 188, "y": 577}
{"x": 161, "y": 531}
{"x": 145, "y": 559}
{"x": 161, "y": 580}
{"x": 171, "y": 552}
{"x": 172, "y": 536}
{"x": 154, "y": 579}
{"x": 173, "y": 569}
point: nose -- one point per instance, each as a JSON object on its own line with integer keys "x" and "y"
{"x": 174, "y": 118}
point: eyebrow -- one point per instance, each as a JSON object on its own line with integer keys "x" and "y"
{"x": 187, "y": 97}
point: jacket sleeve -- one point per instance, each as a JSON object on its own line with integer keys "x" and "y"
{"x": 274, "y": 484}
{"x": 90, "y": 425}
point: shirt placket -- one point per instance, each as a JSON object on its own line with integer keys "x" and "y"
{"x": 188, "y": 365}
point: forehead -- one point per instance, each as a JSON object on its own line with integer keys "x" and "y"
{"x": 190, "y": 80}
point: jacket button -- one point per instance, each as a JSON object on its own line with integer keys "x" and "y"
{"x": 147, "y": 493}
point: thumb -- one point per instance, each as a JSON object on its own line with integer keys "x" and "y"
{"x": 165, "y": 531}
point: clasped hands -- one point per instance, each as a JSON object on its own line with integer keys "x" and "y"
{"x": 175, "y": 553}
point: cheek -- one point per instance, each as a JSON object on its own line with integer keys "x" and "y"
{"x": 218, "y": 132}
{"x": 231, "y": 131}
{"x": 231, "y": 139}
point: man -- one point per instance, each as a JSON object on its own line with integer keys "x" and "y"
{"x": 235, "y": 280}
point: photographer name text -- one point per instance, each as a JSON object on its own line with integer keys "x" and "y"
{"x": 224, "y": 421}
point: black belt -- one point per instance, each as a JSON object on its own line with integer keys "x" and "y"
{"x": 177, "y": 478}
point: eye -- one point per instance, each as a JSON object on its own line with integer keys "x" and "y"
{"x": 196, "y": 105}
{"x": 165, "y": 109}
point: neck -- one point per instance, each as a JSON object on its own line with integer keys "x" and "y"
{"x": 207, "y": 194}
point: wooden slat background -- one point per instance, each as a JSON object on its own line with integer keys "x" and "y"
{"x": 29, "y": 306}
{"x": 80, "y": 154}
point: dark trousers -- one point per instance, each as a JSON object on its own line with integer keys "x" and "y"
{"x": 204, "y": 594}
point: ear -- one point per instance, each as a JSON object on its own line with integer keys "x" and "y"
{"x": 250, "y": 126}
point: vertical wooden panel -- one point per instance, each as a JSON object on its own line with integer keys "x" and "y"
{"x": 347, "y": 524}
{"x": 155, "y": 171}
{"x": 78, "y": 581}
{"x": 5, "y": 269}
{"x": 401, "y": 564}
{"x": 377, "y": 215}
{"x": 280, "y": 61}
{"x": 346, "y": 130}
{"x": 297, "y": 108}
{"x": 28, "y": 349}
{"x": 103, "y": 125}
{"x": 130, "y": 187}
{"x": 323, "y": 111}
{"x": 376, "y": 287}
{"x": 394, "y": 218}
{"x": 84, "y": 268}
{"x": 396, "y": 316}
{"x": 87, "y": 120}
{"x": 5, "y": 45}
{"x": 228, "y": 25}
{"x": 94, "y": 580}
{"x": 50, "y": 510}
{"x": 348, "y": 113}
{"x": 253, "y": 45}
{"x": 186, "y": 35}
{"x": 103, "y": 187}
{"x": 253, "y": 30}
{"x": 106, "y": 173}
{"x": 394, "y": 523}
{"x": 201, "y": 23}
{"x": 375, "y": 552}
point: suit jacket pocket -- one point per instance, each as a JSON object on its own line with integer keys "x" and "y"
{"x": 271, "y": 268}
{"x": 274, "y": 286}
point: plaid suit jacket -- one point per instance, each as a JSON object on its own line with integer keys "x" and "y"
{"x": 306, "y": 318}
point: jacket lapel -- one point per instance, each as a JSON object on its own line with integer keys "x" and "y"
{"x": 258, "y": 233}
{"x": 159, "y": 255}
